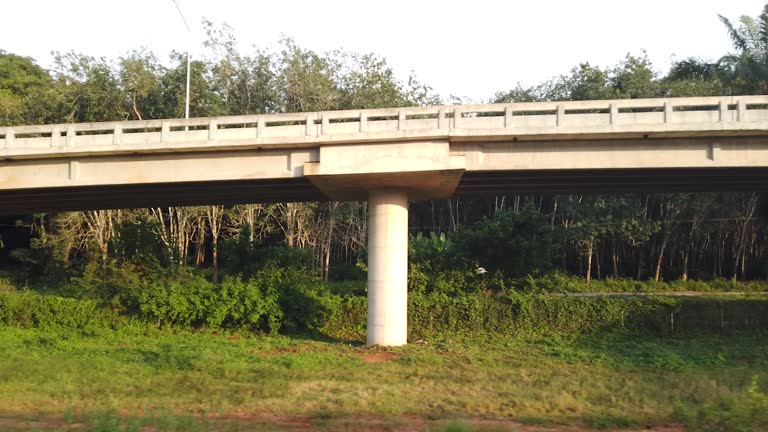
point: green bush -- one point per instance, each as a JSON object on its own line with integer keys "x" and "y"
{"x": 457, "y": 302}
{"x": 6, "y": 284}
{"x": 236, "y": 303}
{"x": 562, "y": 283}
{"x": 516, "y": 243}
{"x": 184, "y": 300}
{"x": 245, "y": 258}
{"x": 32, "y": 310}
{"x": 510, "y": 313}
{"x": 343, "y": 317}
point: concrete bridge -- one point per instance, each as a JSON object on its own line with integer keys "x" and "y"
{"x": 389, "y": 156}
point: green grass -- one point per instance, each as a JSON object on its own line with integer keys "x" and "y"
{"x": 172, "y": 381}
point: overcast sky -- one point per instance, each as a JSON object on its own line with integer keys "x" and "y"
{"x": 470, "y": 49}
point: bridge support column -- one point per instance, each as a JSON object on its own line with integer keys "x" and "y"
{"x": 387, "y": 267}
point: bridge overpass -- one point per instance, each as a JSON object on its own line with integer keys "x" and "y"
{"x": 388, "y": 156}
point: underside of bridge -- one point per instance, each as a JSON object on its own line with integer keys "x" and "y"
{"x": 613, "y": 181}
{"x": 471, "y": 184}
{"x": 388, "y": 210}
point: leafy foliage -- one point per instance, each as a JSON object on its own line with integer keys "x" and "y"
{"x": 516, "y": 243}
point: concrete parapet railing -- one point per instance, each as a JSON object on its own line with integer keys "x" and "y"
{"x": 492, "y": 121}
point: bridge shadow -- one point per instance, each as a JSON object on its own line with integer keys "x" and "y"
{"x": 317, "y": 336}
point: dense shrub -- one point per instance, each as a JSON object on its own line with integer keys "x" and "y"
{"x": 510, "y": 312}
{"x": 343, "y": 317}
{"x": 242, "y": 257}
{"x": 185, "y": 299}
{"x": 562, "y": 283}
{"x": 288, "y": 300}
{"x": 27, "y": 309}
{"x": 517, "y": 243}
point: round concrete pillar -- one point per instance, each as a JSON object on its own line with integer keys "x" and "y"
{"x": 387, "y": 267}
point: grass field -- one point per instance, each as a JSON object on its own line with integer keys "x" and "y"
{"x": 203, "y": 381}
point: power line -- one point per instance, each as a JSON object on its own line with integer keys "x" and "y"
{"x": 182, "y": 15}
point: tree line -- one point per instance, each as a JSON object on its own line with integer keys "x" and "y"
{"x": 642, "y": 236}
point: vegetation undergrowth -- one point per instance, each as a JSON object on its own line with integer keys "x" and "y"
{"x": 288, "y": 301}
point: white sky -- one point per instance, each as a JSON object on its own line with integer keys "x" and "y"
{"x": 466, "y": 48}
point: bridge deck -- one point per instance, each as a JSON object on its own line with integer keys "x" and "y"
{"x": 680, "y": 144}
{"x": 673, "y": 117}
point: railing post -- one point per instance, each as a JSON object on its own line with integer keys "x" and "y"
{"x": 441, "y": 123}
{"x": 614, "y": 114}
{"x": 10, "y": 136}
{"x": 261, "y": 124}
{"x": 363, "y": 121}
{"x": 400, "y": 120}
{"x": 560, "y": 115}
{"x": 55, "y": 135}
{"x": 668, "y": 112}
{"x": 71, "y": 134}
{"x": 117, "y": 134}
{"x": 457, "y": 118}
{"x": 723, "y": 110}
{"x": 309, "y": 125}
{"x": 212, "y": 128}
{"x": 508, "y": 117}
{"x": 741, "y": 111}
{"x": 324, "y": 124}
{"x": 165, "y": 131}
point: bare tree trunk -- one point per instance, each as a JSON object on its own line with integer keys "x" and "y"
{"x": 589, "y": 261}
{"x": 288, "y": 219}
{"x": 554, "y": 212}
{"x": 200, "y": 242}
{"x": 135, "y": 108}
{"x": 597, "y": 262}
{"x": 741, "y": 245}
{"x": 325, "y": 271}
{"x": 716, "y": 268}
{"x": 215, "y": 217}
{"x": 743, "y": 266}
{"x": 251, "y": 219}
{"x": 661, "y": 257}
{"x": 101, "y": 229}
{"x": 498, "y": 205}
{"x": 452, "y": 218}
{"x": 564, "y": 248}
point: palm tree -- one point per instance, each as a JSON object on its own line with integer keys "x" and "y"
{"x": 748, "y": 68}
{"x": 743, "y": 72}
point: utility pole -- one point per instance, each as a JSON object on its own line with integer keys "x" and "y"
{"x": 189, "y": 32}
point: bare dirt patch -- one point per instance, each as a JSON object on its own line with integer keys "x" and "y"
{"x": 254, "y": 422}
{"x": 378, "y": 357}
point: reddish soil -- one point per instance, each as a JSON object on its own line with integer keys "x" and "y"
{"x": 378, "y": 357}
{"x": 257, "y": 422}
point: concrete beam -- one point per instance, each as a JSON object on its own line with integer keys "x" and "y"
{"x": 426, "y": 169}
{"x": 420, "y": 185}
{"x": 154, "y": 168}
